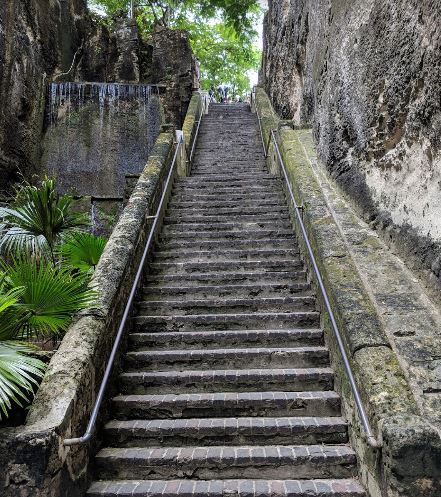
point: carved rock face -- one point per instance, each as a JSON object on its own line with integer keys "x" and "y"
{"x": 367, "y": 76}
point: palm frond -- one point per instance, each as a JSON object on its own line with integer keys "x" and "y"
{"x": 37, "y": 219}
{"x": 83, "y": 250}
{"x": 51, "y": 296}
{"x": 12, "y": 314}
{"x": 18, "y": 374}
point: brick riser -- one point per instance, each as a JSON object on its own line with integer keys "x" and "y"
{"x": 227, "y": 388}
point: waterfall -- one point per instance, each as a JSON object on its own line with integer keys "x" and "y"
{"x": 98, "y": 132}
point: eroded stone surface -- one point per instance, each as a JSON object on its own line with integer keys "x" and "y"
{"x": 366, "y": 75}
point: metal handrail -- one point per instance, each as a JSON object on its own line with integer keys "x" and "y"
{"x": 90, "y": 430}
{"x": 372, "y": 441}
{"x": 254, "y": 101}
{"x": 197, "y": 130}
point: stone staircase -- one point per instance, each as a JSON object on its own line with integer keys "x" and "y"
{"x": 227, "y": 388}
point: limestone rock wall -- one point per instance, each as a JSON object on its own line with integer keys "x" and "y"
{"x": 366, "y": 74}
{"x": 37, "y": 39}
{"x": 42, "y": 41}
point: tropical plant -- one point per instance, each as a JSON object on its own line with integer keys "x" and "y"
{"x": 51, "y": 295}
{"x": 37, "y": 219}
{"x": 82, "y": 250}
{"x": 19, "y": 373}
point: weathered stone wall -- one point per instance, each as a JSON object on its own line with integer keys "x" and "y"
{"x": 37, "y": 39}
{"x": 172, "y": 63}
{"x": 366, "y": 74}
{"x": 408, "y": 462}
{"x": 33, "y": 459}
{"x": 45, "y": 40}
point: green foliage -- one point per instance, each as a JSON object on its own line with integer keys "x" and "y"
{"x": 37, "y": 219}
{"x": 18, "y": 372}
{"x": 50, "y": 297}
{"x": 83, "y": 250}
{"x": 221, "y": 32}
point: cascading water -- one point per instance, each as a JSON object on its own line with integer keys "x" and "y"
{"x": 98, "y": 132}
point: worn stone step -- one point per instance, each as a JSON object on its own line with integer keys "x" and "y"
{"x": 258, "y": 357}
{"x": 180, "y": 212}
{"x": 225, "y": 431}
{"x": 229, "y": 167}
{"x": 225, "y": 207}
{"x": 243, "y": 227}
{"x": 217, "y": 190}
{"x": 223, "y": 488}
{"x": 228, "y": 265}
{"x": 166, "y": 292}
{"x": 254, "y": 176}
{"x": 191, "y": 340}
{"x": 221, "y": 404}
{"x": 242, "y": 198}
{"x": 225, "y": 278}
{"x": 194, "y": 210}
{"x": 182, "y": 255}
{"x": 256, "y": 320}
{"x": 249, "y": 174}
{"x": 250, "y": 243}
{"x": 226, "y": 305}
{"x": 229, "y": 234}
{"x": 269, "y": 461}
{"x": 226, "y": 380}
{"x": 227, "y": 181}
{"x": 227, "y": 219}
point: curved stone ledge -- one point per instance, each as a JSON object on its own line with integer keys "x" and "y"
{"x": 36, "y": 462}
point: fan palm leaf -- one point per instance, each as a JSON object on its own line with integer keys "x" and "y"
{"x": 51, "y": 296}
{"x": 18, "y": 374}
{"x": 83, "y": 250}
{"x": 12, "y": 314}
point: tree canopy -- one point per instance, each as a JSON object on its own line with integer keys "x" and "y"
{"x": 222, "y": 34}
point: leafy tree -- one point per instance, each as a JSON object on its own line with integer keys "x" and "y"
{"x": 221, "y": 32}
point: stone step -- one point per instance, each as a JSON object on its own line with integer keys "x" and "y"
{"x": 221, "y": 404}
{"x": 195, "y": 322}
{"x": 226, "y": 305}
{"x": 216, "y": 197}
{"x": 229, "y": 234}
{"x": 214, "y": 189}
{"x": 230, "y": 380}
{"x": 225, "y": 278}
{"x": 167, "y": 292}
{"x": 223, "y": 488}
{"x": 226, "y": 181}
{"x": 225, "y": 431}
{"x": 250, "y": 243}
{"x": 238, "y": 177}
{"x": 191, "y": 340}
{"x": 224, "y": 462}
{"x": 207, "y": 211}
{"x": 182, "y": 255}
{"x": 239, "y": 266}
{"x": 226, "y": 206}
{"x": 229, "y": 167}
{"x": 227, "y": 219}
{"x": 243, "y": 227}
{"x": 182, "y": 360}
